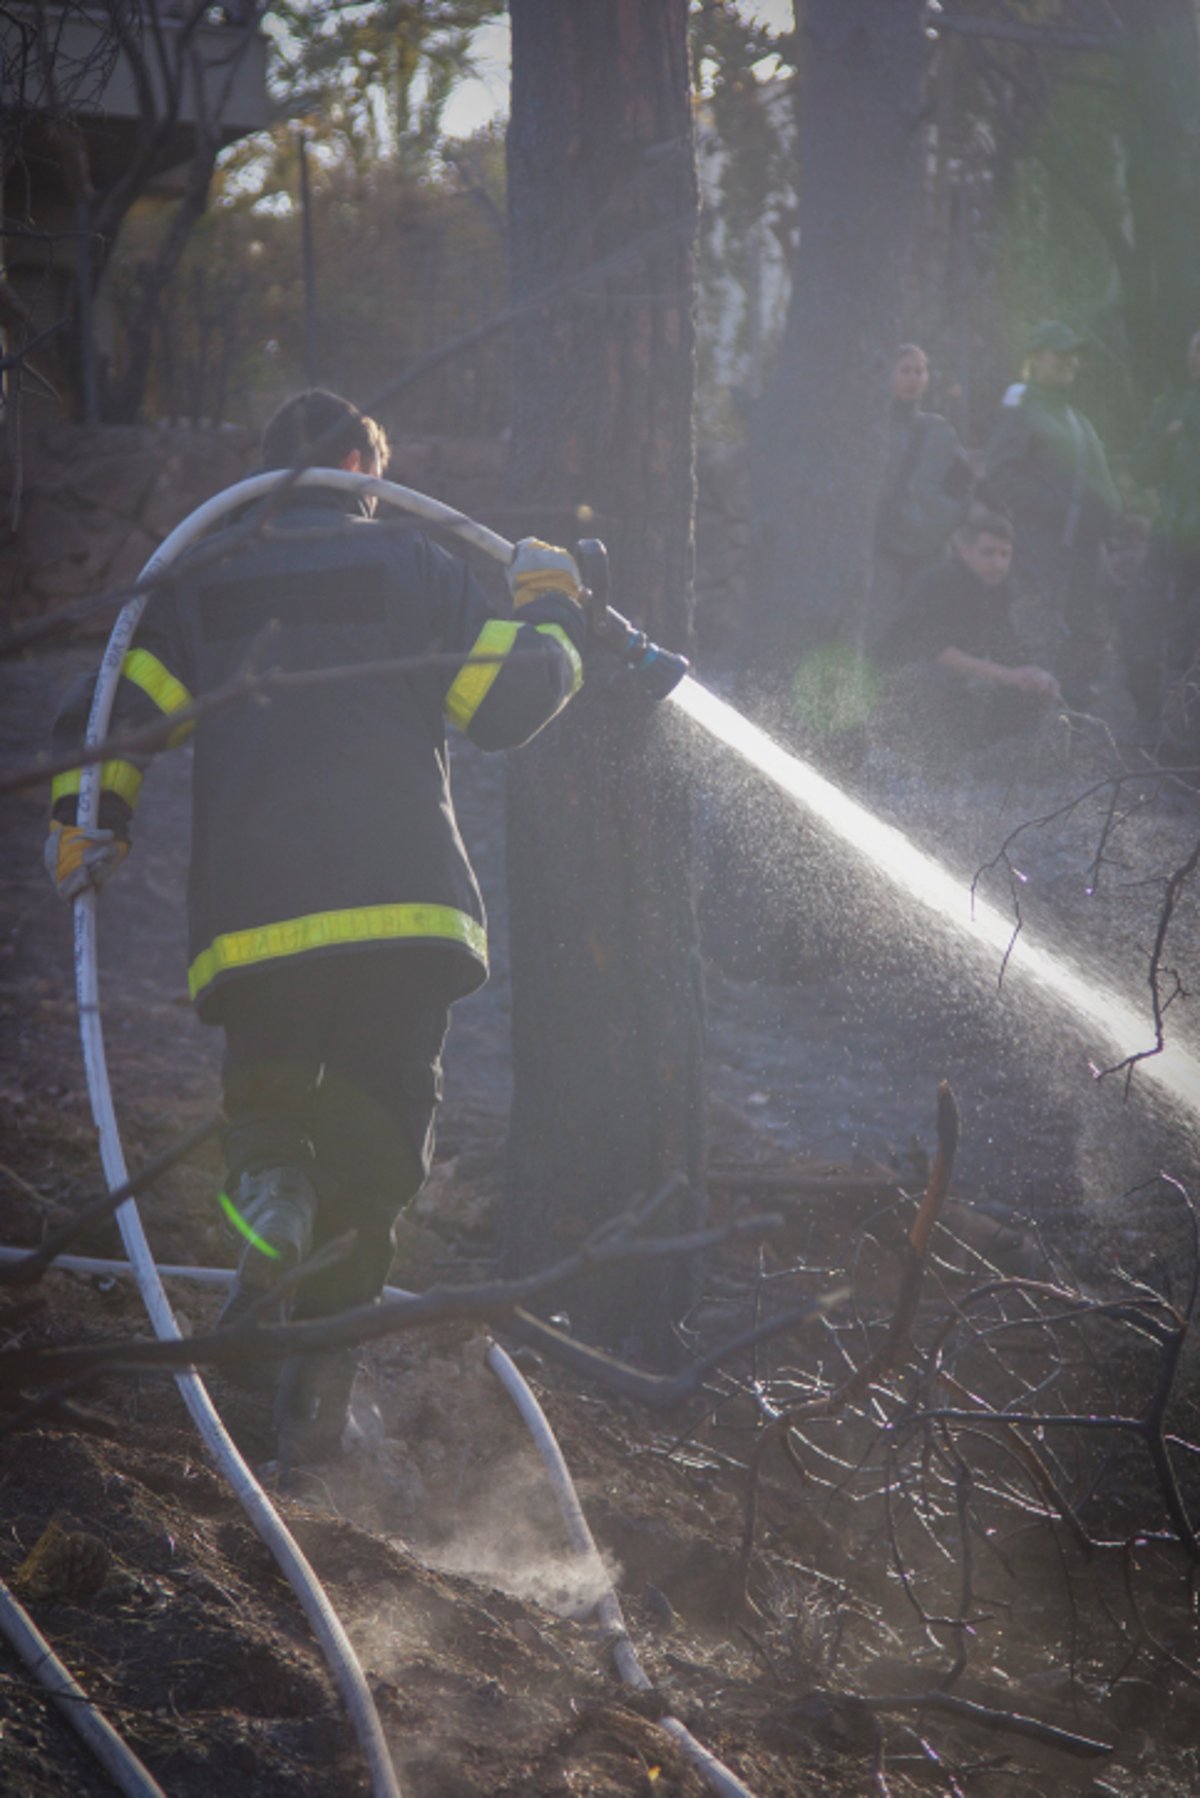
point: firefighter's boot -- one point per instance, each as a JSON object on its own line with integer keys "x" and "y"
{"x": 312, "y": 1409}
{"x": 271, "y": 1214}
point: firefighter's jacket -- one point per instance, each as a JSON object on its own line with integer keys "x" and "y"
{"x": 322, "y": 821}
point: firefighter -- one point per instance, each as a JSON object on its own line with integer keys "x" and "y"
{"x": 333, "y": 913}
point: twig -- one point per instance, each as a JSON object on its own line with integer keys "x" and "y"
{"x": 34, "y": 1265}
{"x": 899, "y": 1329}
{"x": 494, "y": 1302}
{"x": 992, "y": 1718}
{"x": 165, "y": 733}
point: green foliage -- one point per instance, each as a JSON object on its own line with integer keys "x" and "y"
{"x": 402, "y": 266}
{"x": 408, "y": 242}
{"x": 746, "y": 148}
{"x": 376, "y": 75}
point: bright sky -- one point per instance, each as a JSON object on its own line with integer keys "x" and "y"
{"x": 474, "y": 103}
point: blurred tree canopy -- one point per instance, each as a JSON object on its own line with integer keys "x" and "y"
{"x": 408, "y": 232}
{"x": 1057, "y": 172}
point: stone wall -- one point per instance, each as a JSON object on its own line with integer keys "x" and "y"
{"x": 96, "y": 501}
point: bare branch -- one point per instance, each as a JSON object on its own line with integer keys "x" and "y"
{"x": 1036, "y": 37}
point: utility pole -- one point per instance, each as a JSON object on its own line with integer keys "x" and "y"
{"x": 308, "y": 264}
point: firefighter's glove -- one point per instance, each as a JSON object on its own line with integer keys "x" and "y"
{"x": 77, "y": 858}
{"x": 538, "y": 568}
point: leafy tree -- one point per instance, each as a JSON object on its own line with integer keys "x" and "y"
{"x": 402, "y": 266}
{"x": 370, "y": 82}
{"x": 1064, "y": 144}
{"x": 378, "y": 74}
{"x": 174, "y": 72}
{"x": 746, "y": 143}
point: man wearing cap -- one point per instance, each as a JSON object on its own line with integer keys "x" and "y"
{"x": 1046, "y": 468}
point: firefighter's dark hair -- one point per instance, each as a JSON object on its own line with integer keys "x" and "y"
{"x": 319, "y": 418}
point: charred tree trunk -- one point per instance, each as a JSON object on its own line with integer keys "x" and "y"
{"x": 1161, "y": 92}
{"x": 607, "y": 1032}
{"x": 816, "y": 441}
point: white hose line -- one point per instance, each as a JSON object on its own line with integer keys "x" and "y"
{"x": 608, "y": 1607}
{"x": 111, "y": 1750}
{"x": 104, "y": 1269}
{"x": 326, "y": 1625}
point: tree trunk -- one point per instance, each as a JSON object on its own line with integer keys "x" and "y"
{"x": 1162, "y": 141}
{"x": 607, "y": 1030}
{"x": 816, "y": 441}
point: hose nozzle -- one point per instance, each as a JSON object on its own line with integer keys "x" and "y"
{"x": 657, "y": 671}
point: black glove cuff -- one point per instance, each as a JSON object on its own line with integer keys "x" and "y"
{"x": 113, "y": 814}
{"x": 557, "y": 608}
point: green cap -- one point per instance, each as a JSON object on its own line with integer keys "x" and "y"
{"x": 1054, "y": 335}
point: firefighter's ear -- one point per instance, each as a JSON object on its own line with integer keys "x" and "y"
{"x": 352, "y": 462}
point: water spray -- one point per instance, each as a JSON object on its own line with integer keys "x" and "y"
{"x": 888, "y": 852}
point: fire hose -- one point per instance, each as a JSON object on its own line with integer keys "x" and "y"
{"x": 659, "y": 671}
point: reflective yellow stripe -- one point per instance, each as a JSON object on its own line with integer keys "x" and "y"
{"x": 473, "y": 683}
{"x": 332, "y": 929}
{"x": 121, "y": 778}
{"x": 573, "y": 656}
{"x": 156, "y": 681}
{"x": 160, "y": 687}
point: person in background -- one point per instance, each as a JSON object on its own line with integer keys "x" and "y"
{"x": 1046, "y": 469}
{"x": 925, "y": 492}
{"x": 966, "y": 681}
{"x": 1161, "y": 628}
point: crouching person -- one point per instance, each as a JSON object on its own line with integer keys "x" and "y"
{"x": 961, "y": 682}
{"x": 333, "y": 914}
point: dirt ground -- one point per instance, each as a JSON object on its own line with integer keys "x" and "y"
{"x": 440, "y": 1547}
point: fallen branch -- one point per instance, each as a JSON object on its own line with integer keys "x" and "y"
{"x": 165, "y": 733}
{"x": 993, "y": 1718}
{"x": 21, "y": 1369}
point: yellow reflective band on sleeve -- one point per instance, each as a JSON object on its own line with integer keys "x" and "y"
{"x": 472, "y": 684}
{"x": 359, "y": 925}
{"x": 572, "y": 654}
{"x": 160, "y": 687}
{"x": 121, "y": 778}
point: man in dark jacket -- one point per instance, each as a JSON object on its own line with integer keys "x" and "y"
{"x": 966, "y": 683}
{"x": 925, "y": 491}
{"x": 1046, "y": 469}
{"x": 333, "y": 912}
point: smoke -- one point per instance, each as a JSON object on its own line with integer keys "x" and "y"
{"x": 508, "y": 1534}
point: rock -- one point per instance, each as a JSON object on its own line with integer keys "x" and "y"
{"x": 114, "y": 483}
{"x": 64, "y": 1564}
